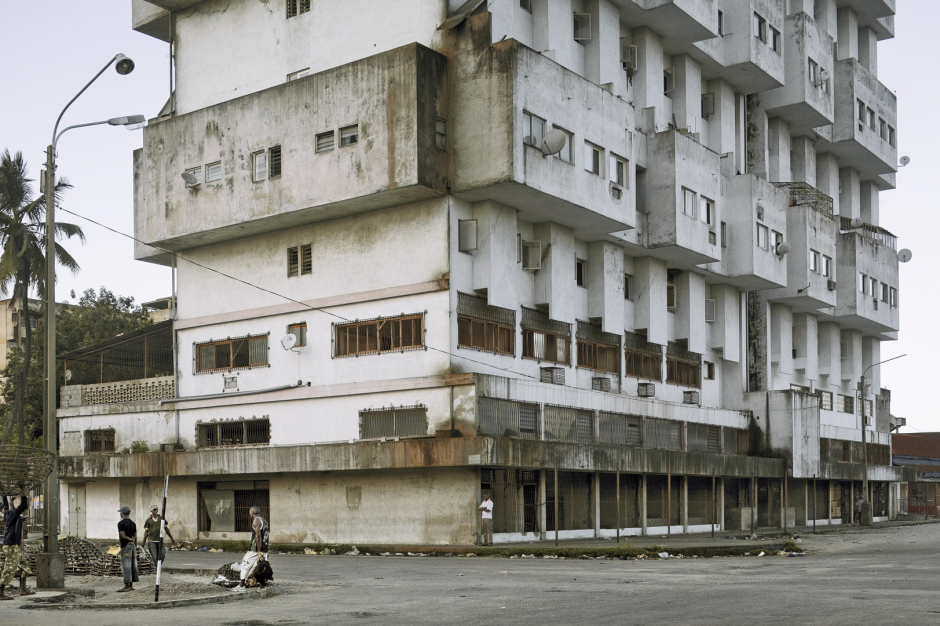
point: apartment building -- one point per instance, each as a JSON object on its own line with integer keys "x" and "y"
{"x": 619, "y": 263}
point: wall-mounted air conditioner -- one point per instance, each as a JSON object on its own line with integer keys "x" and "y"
{"x": 690, "y": 397}
{"x": 553, "y": 375}
{"x": 600, "y": 384}
{"x": 831, "y": 285}
{"x": 646, "y": 390}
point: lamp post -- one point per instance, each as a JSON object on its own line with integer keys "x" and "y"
{"x": 51, "y": 565}
{"x": 865, "y": 513}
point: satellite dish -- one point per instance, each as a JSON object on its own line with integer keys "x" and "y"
{"x": 905, "y": 255}
{"x": 824, "y": 75}
{"x": 289, "y": 341}
{"x": 783, "y": 248}
{"x": 189, "y": 178}
{"x": 856, "y": 222}
{"x": 68, "y": 373}
{"x": 905, "y": 160}
{"x": 553, "y": 142}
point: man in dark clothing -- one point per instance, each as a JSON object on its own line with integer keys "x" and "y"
{"x": 15, "y": 564}
{"x": 127, "y": 533}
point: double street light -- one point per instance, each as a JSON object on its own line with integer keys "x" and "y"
{"x": 50, "y": 564}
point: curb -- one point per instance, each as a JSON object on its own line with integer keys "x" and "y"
{"x": 268, "y": 592}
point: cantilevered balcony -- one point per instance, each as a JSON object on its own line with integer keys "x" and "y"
{"x": 868, "y": 285}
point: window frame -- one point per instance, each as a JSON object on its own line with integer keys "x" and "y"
{"x": 260, "y": 155}
{"x": 760, "y": 26}
{"x": 198, "y": 173}
{"x": 627, "y": 278}
{"x": 301, "y": 334}
{"x": 528, "y": 120}
{"x": 209, "y": 169}
{"x": 775, "y": 40}
{"x": 827, "y": 266}
{"x": 814, "y": 258}
{"x": 295, "y": 8}
{"x": 342, "y": 349}
{"x": 99, "y": 441}
{"x": 567, "y": 148}
{"x": 642, "y": 364}
{"x": 689, "y": 198}
{"x": 618, "y": 171}
{"x": 247, "y": 340}
{"x": 708, "y": 210}
{"x": 355, "y": 135}
{"x": 593, "y": 159}
{"x": 763, "y": 236}
{"x": 203, "y": 430}
{"x": 332, "y": 144}
{"x": 580, "y": 265}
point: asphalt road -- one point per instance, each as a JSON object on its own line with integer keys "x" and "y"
{"x": 885, "y": 576}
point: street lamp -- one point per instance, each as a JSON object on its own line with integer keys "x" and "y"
{"x": 50, "y": 565}
{"x": 865, "y": 512}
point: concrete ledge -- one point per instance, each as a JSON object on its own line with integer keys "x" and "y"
{"x": 260, "y": 594}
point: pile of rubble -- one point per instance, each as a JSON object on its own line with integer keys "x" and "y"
{"x": 80, "y": 555}
{"x": 110, "y": 564}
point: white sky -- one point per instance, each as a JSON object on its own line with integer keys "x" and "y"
{"x": 38, "y": 79}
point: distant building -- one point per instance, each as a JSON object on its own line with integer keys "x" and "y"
{"x": 620, "y": 264}
{"x": 919, "y": 452}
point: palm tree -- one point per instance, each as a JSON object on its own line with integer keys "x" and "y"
{"x": 22, "y": 260}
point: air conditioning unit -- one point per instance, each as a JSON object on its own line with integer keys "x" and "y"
{"x": 553, "y": 375}
{"x": 615, "y": 191}
{"x": 646, "y": 390}
{"x": 531, "y": 256}
{"x": 628, "y": 57}
{"x": 690, "y": 397}
{"x": 709, "y": 310}
{"x": 600, "y": 384}
{"x": 831, "y": 285}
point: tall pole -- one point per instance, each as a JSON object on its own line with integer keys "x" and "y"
{"x": 556, "y": 505}
{"x": 166, "y": 487}
{"x": 50, "y": 429}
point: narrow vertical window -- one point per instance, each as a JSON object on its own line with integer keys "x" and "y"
{"x": 626, "y": 286}
{"x": 721, "y": 24}
{"x": 259, "y": 166}
{"x": 566, "y": 154}
{"x": 592, "y": 159}
{"x": 440, "y": 134}
{"x": 688, "y": 202}
{"x": 306, "y": 259}
{"x": 532, "y": 129}
{"x": 579, "y": 272}
{"x": 293, "y": 262}
{"x": 274, "y": 162}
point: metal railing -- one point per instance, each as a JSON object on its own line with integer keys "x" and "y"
{"x": 803, "y": 194}
{"x": 870, "y": 231}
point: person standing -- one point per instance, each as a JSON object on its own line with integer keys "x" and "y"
{"x": 127, "y": 533}
{"x": 487, "y": 515}
{"x": 15, "y": 564}
{"x": 152, "y": 535}
{"x": 258, "y": 550}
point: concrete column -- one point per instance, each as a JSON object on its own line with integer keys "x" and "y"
{"x": 554, "y": 283}
{"x": 868, "y": 49}
{"x": 829, "y": 501}
{"x": 721, "y": 503}
{"x": 685, "y": 504}
{"x": 543, "y": 512}
{"x": 827, "y": 177}
{"x": 778, "y": 149}
{"x": 643, "y": 516}
{"x": 721, "y": 123}
{"x": 648, "y": 78}
{"x": 781, "y": 338}
{"x": 806, "y": 342}
{"x": 687, "y": 96}
{"x": 848, "y": 34}
{"x": 496, "y": 250}
{"x": 850, "y": 196}
{"x": 827, "y": 17}
{"x": 602, "y": 51}
{"x": 650, "y": 303}
{"x": 868, "y": 202}
{"x": 690, "y": 310}
{"x": 605, "y": 285}
{"x": 803, "y": 162}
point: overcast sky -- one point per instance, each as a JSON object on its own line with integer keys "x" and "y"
{"x": 49, "y": 55}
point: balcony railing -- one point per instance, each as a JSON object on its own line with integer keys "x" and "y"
{"x": 875, "y": 233}
{"x": 803, "y": 194}
{"x": 119, "y": 392}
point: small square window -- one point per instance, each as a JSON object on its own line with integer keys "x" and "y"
{"x": 626, "y": 286}
{"x": 712, "y": 237}
{"x": 814, "y": 261}
{"x": 440, "y": 134}
{"x": 688, "y": 202}
{"x": 532, "y": 129}
{"x": 348, "y": 136}
{"x": 827, "y": 267}
{"x": 762, "y": 236}
{"x": 259, "y": 166}
{"x": 298, "y": 74}
{"x": 197, "y": 174}
{"x": 579, "y": 272}
{"x": 566, "y": 154}
{"x": 592, "y": 159}
{"x": 214, "y": 172}
{"x": 299, "y": 331}
{"x": 618, "y": 170}
{"x": 325, "y": 141}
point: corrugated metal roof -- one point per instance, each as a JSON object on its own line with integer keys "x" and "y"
{"x": 925, "y": 445}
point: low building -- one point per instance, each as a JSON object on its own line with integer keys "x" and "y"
{"x": 920, "y": 453}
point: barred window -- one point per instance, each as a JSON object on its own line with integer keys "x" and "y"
{"x": 568, "y": 424}
{"x": 825, "y": 400}
{"x": 484, "y": 327}
{"x": 234, "y": 433}
{"x": 665, "y": 434}
{"x": 598, "y": 350}
{"x": 683, "y": 367}
{"x": 845, "y": 404}
{"x": 383, "y": 334}
{"x": 622, "y": 430}
{"x": 232, "y": 354}
{"x": 405, "y": 421}
{"x": 99, "y": 441}
{"x": 545, "y": 339}
{"x": 300, "y": 260}
{"x": 296, "y": 7}
{"x": 642, "y": 358}
{"x": 504, "y": 418}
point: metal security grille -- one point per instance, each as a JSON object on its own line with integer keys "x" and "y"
{"x": 568, "y": 424}
{"x": 135, "y": 355}
{"x": 543, "y": 338}
{"x": 803, "y": 194}
{"x": 99, "y": 441}
{"x": 244, "y": 500}
{"x": 825, "y": 400}
{"x": 593, "y": 333}
{"x": 620, "y": 430}
{"x": 642, "y": 358}
{"x": 845, "y": 404}
{"x": 683, "y": 367}
{"x": 575, "y": 501}
{"x": 663, "y": 504}
{"x": 234, "y": 353}
{"x": 406, "y": 421}
{"x": 383, "y": 334}
{"x": 732, "y": 436}
{"x": 703, "y": 438}
{"x": 306, "y": 259}
{"x": 823, "y": 450}
{"x": 598, "y": 350}
{"x": 629, "y": 501}
{"x": 484, "y": 327}
{"x": 477, "y": 308}
{"x": 663, "y": 434}
{"x": 275, "y": 162}
{"x": 515, "y": 499}
{"x": 234, "y": 433}
{"x": 503, "y": 418}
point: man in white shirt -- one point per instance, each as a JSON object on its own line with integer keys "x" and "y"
{"x": 487, "y": 511}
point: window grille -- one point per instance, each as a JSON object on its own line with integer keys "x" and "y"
{"x": 484, "y": 327}
{"x": 325, "y": 141}
{"x": 544, "y": 339}
{"x": 683, "y": 367}
{"x": 598, "y": 350}
{"x": 620, "y": 430}
{"x": 274, "y": 162}
{"x": 825, "y": 400}
{"x": 306, "y": 259}
{"x": 703, "y": 438}
{"x": 222, "y": 508}
{"x": 232, "y": 354}
{"x": 296, "y": 7}
{"x": 383, "y": 334}
{"x": 234, "y": 433}
{"x": 99, "y": 441}
{"x": 293, "y": 262}
{"x": 213, "y": 171}
{"x": 503, "y": 418}
{"x": 197, "y": 173}
{"x": 405, "y": 421}
{"x": 663, "y": 434}
{"x": 568, "y": 424}
{"x": 845, "y": 404}
{"x": 642, "y": 358}
{"x": 823, "y": 450}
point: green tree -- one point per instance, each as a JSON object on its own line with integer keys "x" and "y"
{"x": 22, "y": 263}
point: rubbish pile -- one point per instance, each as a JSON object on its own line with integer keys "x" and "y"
{"x": 227, "y": 576}
{"x": 80, "y": 555}
{"x": 109, "y": 563}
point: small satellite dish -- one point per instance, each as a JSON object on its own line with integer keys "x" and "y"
{"x": 553, "y": 142}
{"x": 824, "y": 75}
{"x": 905, "y": 160}
{"x": 782, "y": 248}
{"x": 68, "y": 373}
{"x": 856, "y": 222}
{"x": 289, "y": 341}
{"x": 905, "y": 255}
{"x": 189, "y": 178}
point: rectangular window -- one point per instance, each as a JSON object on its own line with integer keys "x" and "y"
{"x": 234, "y": 433}
{"x": 566, "y": 154}
{"x": 306, "y": 259}
{"x": 325, "y": 141}
{"x": 871, "y": 119}
{"x": 688, "y": 202}
{"x": 708, "y": 210}
{"x": 827, "y": 267}
{"x": 813, "y": 72}
{"x": 406, "y": 421}
{"x": 598, "y": 350}
{"x": 825, "y": 400}
{"x": 641, "y": 358}
{"x": 300, "y": 331}
{"x": 293, "y": 262}
{"x": 383, "y": 334}
{"x": 721, "y": 24}
{"x": 197, "y": 174}
{"x": 532, "y": 129}
{"x": 862, "y": 283}
{"x": 685, "y": 371}
{"x": 775, "y": 39}
{"x": 298, "y": 74}
{"x": 484, "y": 327}
{"x": 214, "y": 172}
{"x": 545, "y": 339}
{"x": 299, "y": 260}
{"x": 348, "y": 136}
{"x": 618, "y": 170}
{"x": 845, "y": 404}
{"x": 872, "y": 287}
{"x": 891, "y": 137}
{"x": 274, "y": 162}
{"x": 582, "y": 26}
{"x": 894, "y": 296}
{"x": 526, "y": 5}
{"x": 724, "y": 235}
{"x": 760, "y": 28}
{"x": 670, "y": 291}
{"x": 777, "y": 239}
{"x": 259, "y": 166}
{"x": 579, "y": 272}
{"x": 440, "y": 134}
{"x": 884, "y": 292}
{"x": 814, "y": 261}
{"x": 626, "y": 286}
{"x": 296, "y": 7}
{"x": 232, "y": 354}
{"x": 861, "y": 110}
{"x": 99, "y": 441}
{"x": 224, "y": 506}
{"x": 883, "y": 128}
{"x": 709, "y": 371}
{"x": 592, "y": 159}
{"x": 762, "y": 236}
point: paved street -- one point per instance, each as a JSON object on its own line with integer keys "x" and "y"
{"x": 883, "y": 576}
